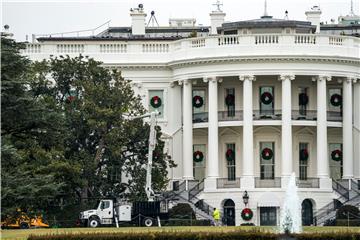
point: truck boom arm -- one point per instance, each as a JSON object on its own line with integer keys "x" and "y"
{"x": 152, "y": 143}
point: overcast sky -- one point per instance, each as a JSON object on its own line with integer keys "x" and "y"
{"x": 28, "y": 17}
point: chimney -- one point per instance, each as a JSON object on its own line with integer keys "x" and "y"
{"x": 138, "y": 20}
{"x": 313, "y": 16}
{"x": 217, "y": 18}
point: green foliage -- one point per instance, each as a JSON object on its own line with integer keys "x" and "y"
{"x": 193, "y": 235}
{"x": 348, "y": 212}
{"x": 66, "y": 139}
{"x": 182, "y": 211}
{"x": 31, "y": 132}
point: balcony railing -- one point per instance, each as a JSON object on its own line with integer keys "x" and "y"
{"x": 226, "y": 183}
{"x": 161, "y": 52}
{"x": 200, "y": 117}
{"x": 308, "y": 115}
{"x": 267, "y": 183}
{"x": 267, "y": 114}
{"x": 333, "y": 116}
{"x": 230, "y": 116}
{"x": 308, "y": 183}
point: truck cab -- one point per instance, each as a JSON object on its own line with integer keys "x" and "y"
{"x": 105, "y": 214}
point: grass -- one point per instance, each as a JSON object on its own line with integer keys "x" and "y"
{"x": 20, "y": 234}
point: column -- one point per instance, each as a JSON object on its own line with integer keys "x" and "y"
{"x": 247, "y": 180}
{"x": 321, "y": 131}
{"x": 286, "y": 128}
{"x": 213, "y": 132}
{"x": 213, "y": 135}
{"x": 356, "y": 129}
{"x": 347, "y": 129}
{"x": 187, "y": 131}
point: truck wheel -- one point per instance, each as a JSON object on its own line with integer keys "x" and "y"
{"x": 94, "y": 223}
{"x": 148, "y": 222}
{"x": 24, "y": 225}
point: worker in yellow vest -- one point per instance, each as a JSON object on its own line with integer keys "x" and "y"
{"x": 216, "y": 216}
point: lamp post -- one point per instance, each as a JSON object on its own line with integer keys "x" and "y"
{"x": 246, "y": 198}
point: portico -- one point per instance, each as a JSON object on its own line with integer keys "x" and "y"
{"x": 246, "y": 120}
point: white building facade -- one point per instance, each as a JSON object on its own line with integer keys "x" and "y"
{"x": 244, "y": 106}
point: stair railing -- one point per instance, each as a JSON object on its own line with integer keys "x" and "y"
{"x": 344, "y": 192}
{"x": 196, "y": 190}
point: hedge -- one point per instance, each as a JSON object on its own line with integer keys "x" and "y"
{"x": 168, "y": 235}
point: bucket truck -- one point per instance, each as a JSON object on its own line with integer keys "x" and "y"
{"x": 147, "y": 213}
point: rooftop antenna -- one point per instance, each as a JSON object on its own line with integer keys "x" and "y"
{"x": 218, "y": 4}
{"x": 265, "y": 8}
{"x": 352, "y": 9}
{"x": 153, "y": 20}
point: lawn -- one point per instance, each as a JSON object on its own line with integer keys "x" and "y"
{"x": 19, "y": 234}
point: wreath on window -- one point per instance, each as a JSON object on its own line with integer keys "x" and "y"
{"x": 336, "y": 155}
{"x": 70, "y": 96}
{"x": 155, "y": 101}
{"x": 267, "y": 154}
{"x": 198, "y": 101}
{"x": 230, "y": 155}
{"x": 230, "y": 100}
{"x": 247, "y": 214}
{"x": 198, "y": 156}
{"x": 303, "y": 99}
{"x": 266, "y": 98}
{"x": 336, "y": 100}
{"x": 304, "y": 154}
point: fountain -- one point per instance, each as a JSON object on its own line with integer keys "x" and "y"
{"x": 290, "y": 218}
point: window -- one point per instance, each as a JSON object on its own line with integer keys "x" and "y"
{"x": 332, "y": 105}
{"x": 266, "y": 101}
{"x": 230, "y": 101}
{"x": 231, "y": 161}
{"x": 335, "y": 160}
{"x": 267, "y": 166}
{"x": 303, "y": 160}
{"x": 156, "y": 101}
{"x": 199, "y": 164}
{"x": 303, "y": 100}
{"x": 105, "y": 204}
{"x": 268, "y": 216}
{"x": 199, "y": 114}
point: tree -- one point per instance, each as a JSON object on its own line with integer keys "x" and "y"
{"x": 31, "y": 130}
{"x": 99, "y": 137}
{"x": 66, "y": 137}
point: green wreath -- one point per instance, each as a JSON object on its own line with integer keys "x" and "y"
{"x": 266, "y": 98}
{"x": 198, "y": 156}
{"x": 336, "y": 100}
{"x": 70, "y": 96}
{"x": 267, "y": 154}
{"x": 230, "y": 155}
{"x": 247, "y": 214}
{"x": 303, "y": 99}
{"x": 230, "y": 100}
{"x": 336, "y": 155}
{"x": 304, "y": 154}
{"x": 198, "y": 101}
{"x": 155, "y": 102}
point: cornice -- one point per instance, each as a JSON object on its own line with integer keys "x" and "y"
{"x": 245, "y": 59}
{"x": 240, "y": 59}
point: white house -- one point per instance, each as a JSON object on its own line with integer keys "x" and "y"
{"x": 243, "y": 105}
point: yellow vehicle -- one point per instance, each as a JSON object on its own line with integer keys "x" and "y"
{"x": 23, "y": 221}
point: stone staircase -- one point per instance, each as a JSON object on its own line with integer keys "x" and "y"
{"x": 348, "y": 192}
{"x": 202, "y": 210}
